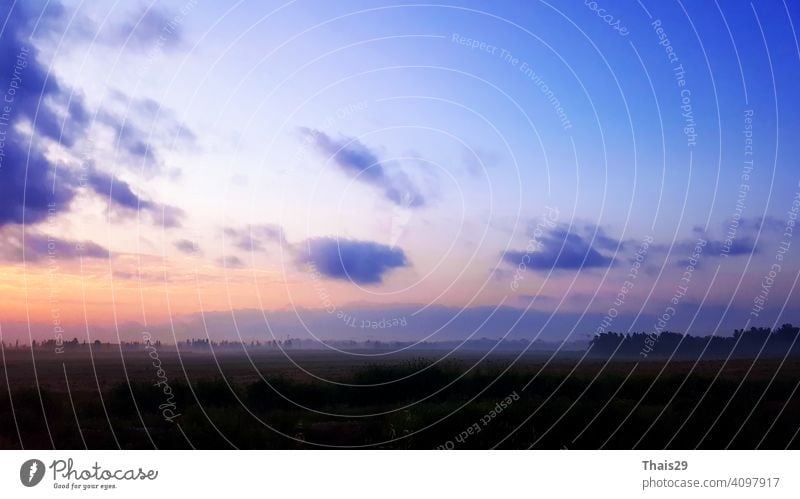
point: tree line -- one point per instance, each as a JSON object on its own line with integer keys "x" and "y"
{"x": 753, "y": 342}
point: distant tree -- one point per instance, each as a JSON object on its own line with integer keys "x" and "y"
{"x": 787, "y": 332}
{"x": 744, "y": 343}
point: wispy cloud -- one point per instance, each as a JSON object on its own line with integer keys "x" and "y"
{"x": 564, "y": 249}
{"x": 360, "y": 162}
{"x": 138, "y": 29}
{"x": 143, "y": 28}
{"x": 230, "y": 262}
{"x": 187, "y": 246}
{"x": 17, "y": 245}
{"x": 32, "y": 184}
{"x": 142, "y": 128}
{"x": 119, "y": 194}
{"x": 255, "y": 237}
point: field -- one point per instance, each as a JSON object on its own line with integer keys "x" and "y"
{"x": 419, "y": 400}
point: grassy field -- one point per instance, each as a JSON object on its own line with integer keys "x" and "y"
{"x": 407, "y": 400}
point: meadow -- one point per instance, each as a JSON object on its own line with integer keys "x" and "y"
{"x": 419, "y": 400}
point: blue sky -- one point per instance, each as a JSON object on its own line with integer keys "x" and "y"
{"x": 273, "y": 155}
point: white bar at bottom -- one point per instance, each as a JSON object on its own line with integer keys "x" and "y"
{"x": 405, "y": 474}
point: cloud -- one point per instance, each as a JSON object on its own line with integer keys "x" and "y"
{"x": 117, "y": 191}
{"x": 168, "y": 217}
{"x": 230, "y": 262}
{"x": 477, "y": 161}
{"x": 767, "y": 223}
{"x": 749, "y": 226}
{"x": 131, "y": 140}
{"x": 120, "y": 195}
{"x": 740, "y": 235}
{"x": 141, "y": 126}
{"x": 736, "y": 247}
{"x": 255, "y": 237}
{"x": 741, "y": 242}
{"x": 559, "y": 248}
{"x": 17, "y": 245}
{"x": 603, "y": 241}
{"x": 361, "y": 262}
{"x": 27, "y": 185}
{"x": 145, "y": 28}
{"x": 187, "y": 246}
{"x": 358, "y": 161}
{"x": 38, "y": 110}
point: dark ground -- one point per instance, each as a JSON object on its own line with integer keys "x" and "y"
{"x": 414, "y": 400}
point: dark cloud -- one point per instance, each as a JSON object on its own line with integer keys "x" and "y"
{"x": 736, "y": 247}
{"x": 752, "y": 226}
{"x": 741, "y": 245}
{"x": 116, "y": 190}
{"x": 255, "y": 237}
{"x": 686, "y": 262}
{"x": 131, "y": 140}
{"x": 27, "y": 185}
{"x": 602, "y": 240}
{"x": 738, "y": 238}
{"x": 769, "y": 224}
{"x": 559, "y": 248}
{"x": 358, "y": 161}
{"x": 119, "y": 194}
{"x": 362, "y": 262}
{"x": 17, "y": 245}
{"x": 187, "y": 246}
{"x": 35, "y": 94}
{"x": 26, "y": 196}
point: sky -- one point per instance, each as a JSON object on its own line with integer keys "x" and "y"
{"x": 389, "y": 171}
